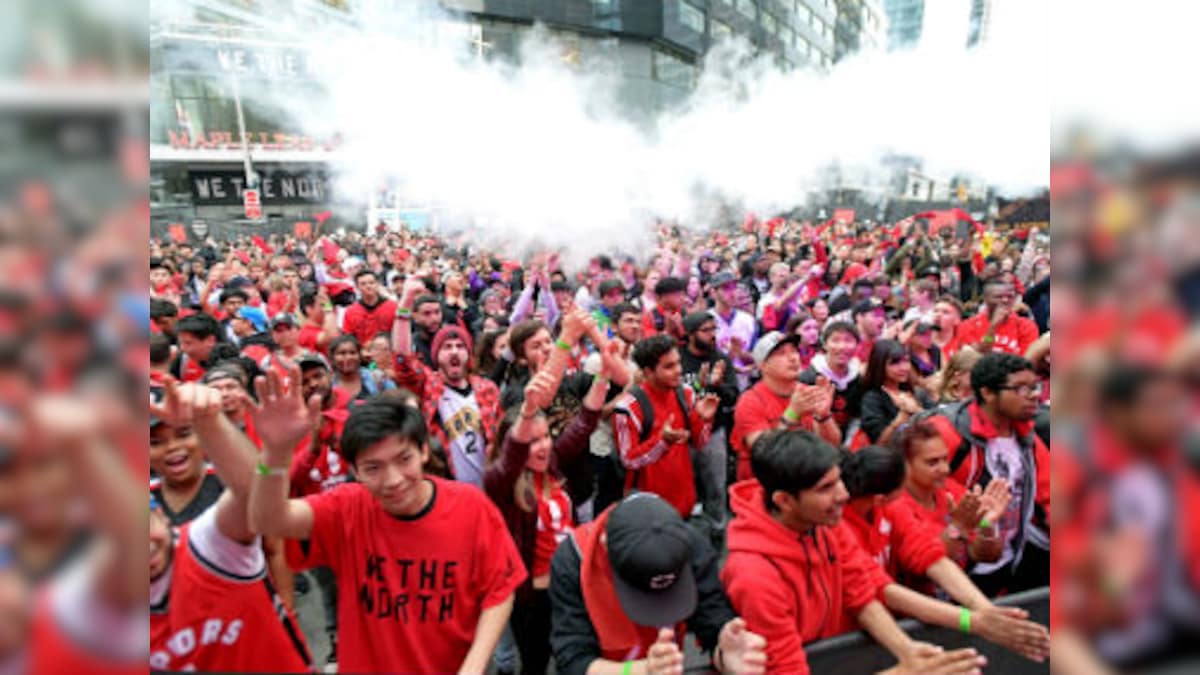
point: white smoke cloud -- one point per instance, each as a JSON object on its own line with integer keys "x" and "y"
{"x": 544, "y": 151}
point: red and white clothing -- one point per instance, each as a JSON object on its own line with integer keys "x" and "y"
{"x": 316, "y": 472}
{"x": 216, "y": 610}
{"x": 411, "y": 588}
{"x": 554, "y": 521}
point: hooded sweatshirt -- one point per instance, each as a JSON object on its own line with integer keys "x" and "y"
{"x": 790, "y": 588}
{"x": 896, "y": 539}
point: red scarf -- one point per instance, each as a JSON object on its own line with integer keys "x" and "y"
{"x": 620, "y": 638}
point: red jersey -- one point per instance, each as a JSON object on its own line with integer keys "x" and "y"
{"x": 412, "y": 589}
{"x": 896, "y": 539}
{"x": 554, "y": 521}
{"x": 936, "y": 519}
{"x": 72, "y": 630}
{"x": 316, "y": 472}
{"x": 215, "y": 609}
{"x": 365, "y": 322}
{"x": 1013, "y": 335}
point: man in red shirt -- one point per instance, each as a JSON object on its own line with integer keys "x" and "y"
{"x": 426, "y": 567}
{"x": 320, "y": 322}
{"x": 197, "y": 335}
{"x": 372, "y": 314}
{"x": 780, "y": 401}
{"x": 656, "y": 424}
{"x": 997, "y": 327}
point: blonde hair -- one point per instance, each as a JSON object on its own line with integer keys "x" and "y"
{"x": 963, "y": 361}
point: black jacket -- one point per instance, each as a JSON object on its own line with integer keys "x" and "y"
{"x": 727, "y": 390}
{"x": 879, "y": 411}
{"x": 572, "y": 637}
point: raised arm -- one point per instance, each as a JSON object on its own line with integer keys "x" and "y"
{"x": 281, "y": 418}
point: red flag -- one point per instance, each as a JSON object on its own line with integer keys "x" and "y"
{"x": 322, "y": 216}
{"x": 262, "y": 245}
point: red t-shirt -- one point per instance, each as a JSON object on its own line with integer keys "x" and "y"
{"x": 308, "y": 337}
{"x": 758, "y": 410}
{"x": 1014, "y": 335}
{"x": 553, "y": 524}
{"x": 411, "y": 589}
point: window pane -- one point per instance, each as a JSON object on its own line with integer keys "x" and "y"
{"x": 691, "y": 17}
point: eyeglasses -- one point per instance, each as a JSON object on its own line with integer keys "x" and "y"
{"x": 1034, "y": 389}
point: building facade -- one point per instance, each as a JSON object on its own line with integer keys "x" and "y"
{"x": 905, "y": 19}
{"x": 203, "y": 61}
{"x": 861, "y": 26}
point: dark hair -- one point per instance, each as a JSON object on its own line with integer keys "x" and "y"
{"x": 992, "y": 282}
{"x": 668, "y": 285}
{"x": 905, "y": 440}
{"x": 234, "y": 293}
{"x": 873, "y": 470}
{"x": 363, "y": 272}
{"x": 862, "y": 282}
{"x": 795, "y": 322}
{"x": 160, "y": 308}
{"x": 1124, "y": 383}
{"x": 157, "y": 263}
{"x": 200, "y": 325}
{"x": 648, "y": 352}
{"x": 925, "y": 286}
{"x": 483, "y": 350}
{"x": 839, "y": 327}
{"x": 307, "y": 300}
{"x": 883, "y": 352}
{"x": 345, "y": 338}
{"x": 378, "y": 419}
{"x": 790, "y": 461}
{"x": 425, "y": 299}
{"x": 623, "y": 309}
{"x": 521, "y": 333}
{"x": 160, "y": 349}
{"x": 993, "y": 370}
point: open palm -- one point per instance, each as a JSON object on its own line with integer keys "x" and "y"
{"x": 281, "y": 417}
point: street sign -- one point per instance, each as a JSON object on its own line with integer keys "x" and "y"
{"x": 253, "y": 205}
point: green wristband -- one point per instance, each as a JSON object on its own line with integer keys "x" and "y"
{"x": 264, "y": 470}
{"x": 627, "y": 669}
{"x": 964, "y": 621}
{"x": 791, "y": 416}
{"x": 403, "y": 313}
{"x": 562, "y": 344}
{"x": 985, "y": 524}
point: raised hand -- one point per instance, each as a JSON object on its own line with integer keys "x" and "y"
{"x": 742, "y": 651}
{"x": 827, "y": 392}
{"x": 612, "y": 366}
{"x": 539, "y": 392}
{"x": 664, "y": 657}
{"x": 718, "y": 374}
{"x": 806, "y": 399}
{"x": 281, "y": 416}
{"x": 702, "y": 377}
{"x": 965, "y": 514}
{"x": 995, "y": 499}
{"x": 186, "y": 404}
{"x": 575, "y": 324}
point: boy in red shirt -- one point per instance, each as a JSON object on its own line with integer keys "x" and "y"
{"x": 656, "y": 424}
{"x": 372, "y": 314}
{"x": 997, "y": 327}
{"x": 425, "y": 567}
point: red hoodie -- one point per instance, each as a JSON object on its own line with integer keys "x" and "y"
{"x": 793, "y": 589}
{"x": 896, "y": 539}
{"x": 365, "y": 322}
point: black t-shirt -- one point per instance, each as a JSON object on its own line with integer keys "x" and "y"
{"x": 211, "y": 488}
{"x": 727, "y": 390}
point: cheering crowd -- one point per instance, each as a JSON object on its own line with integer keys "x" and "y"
{"x": 762, "y": 437}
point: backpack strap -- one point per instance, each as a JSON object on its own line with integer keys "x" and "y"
{"x": 643, "y": 402}
{"x": 964, "y": 447}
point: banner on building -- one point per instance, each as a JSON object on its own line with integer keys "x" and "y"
{"x": 277, "y": 186}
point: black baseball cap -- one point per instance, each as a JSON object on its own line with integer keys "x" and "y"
{"x": 650, "y": 550}
{"x": 308, "y": 360}
{"x": 692, "y": 322}
{"x": 866, "y": 307}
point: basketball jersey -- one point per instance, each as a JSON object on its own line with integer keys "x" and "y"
{"x": 216, "y": 610}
